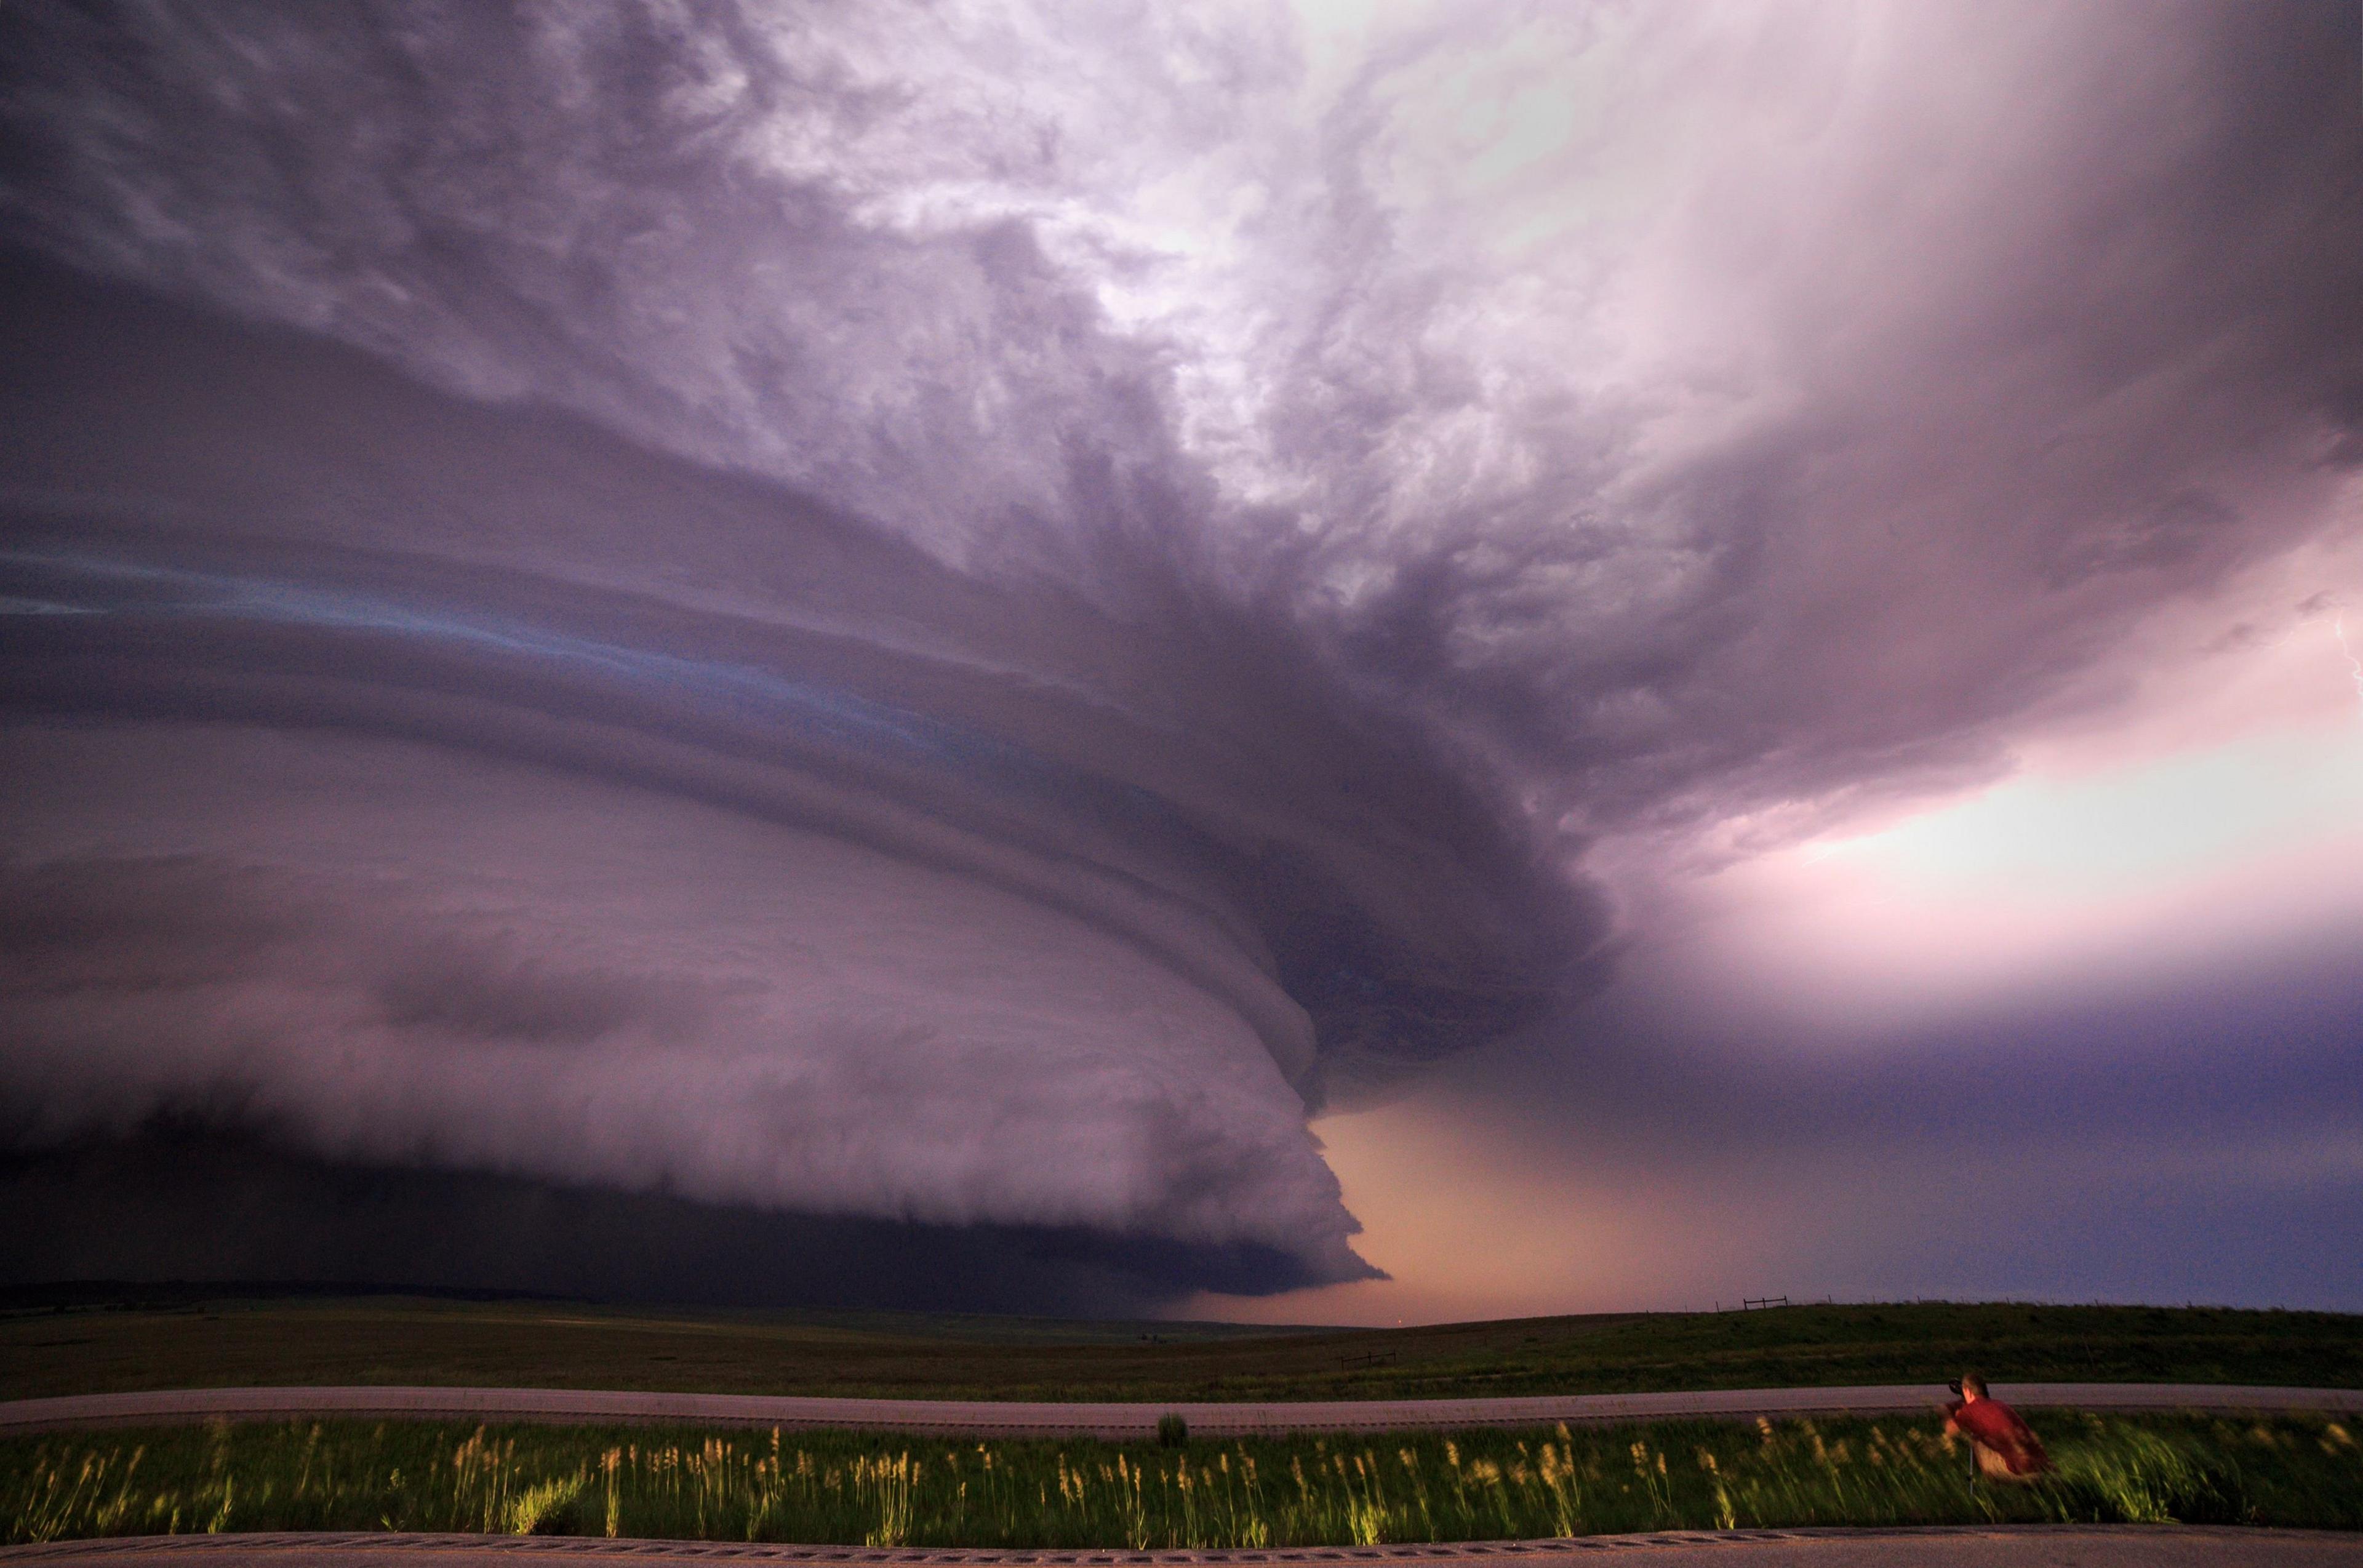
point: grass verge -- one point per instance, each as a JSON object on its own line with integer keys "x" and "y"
{"x": 879, "y": 1490}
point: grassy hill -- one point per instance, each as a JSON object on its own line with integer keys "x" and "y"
{"x": 101, "y": 1342}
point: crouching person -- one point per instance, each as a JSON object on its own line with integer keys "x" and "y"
{"x": 2006, "y": 1448}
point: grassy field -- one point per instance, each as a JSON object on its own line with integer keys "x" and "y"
{"x": 99, "y": 1345}
{"x": 885, "y": 1491}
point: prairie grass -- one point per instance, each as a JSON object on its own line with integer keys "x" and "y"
{"x": 888, "y": 1490}
{"x": 116, "y": 1338}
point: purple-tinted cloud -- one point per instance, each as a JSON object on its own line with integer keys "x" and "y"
{"x": 954, "y": 618}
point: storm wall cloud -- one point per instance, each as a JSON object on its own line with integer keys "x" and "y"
{"x": 957, "y": 618}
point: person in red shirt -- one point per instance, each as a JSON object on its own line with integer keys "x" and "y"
{"x": 2005, "y": 1448}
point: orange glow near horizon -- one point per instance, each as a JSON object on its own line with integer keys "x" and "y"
{"x": 2217, "y": 816}
{"x": 1423, "y": 1185}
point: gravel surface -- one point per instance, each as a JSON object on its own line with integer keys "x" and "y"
{"x": 990, "y": 1418}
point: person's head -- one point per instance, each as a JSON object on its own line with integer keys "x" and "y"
{"x": 1973, "y": 1385}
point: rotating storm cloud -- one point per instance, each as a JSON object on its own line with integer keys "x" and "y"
{"x": 957, "y": 618}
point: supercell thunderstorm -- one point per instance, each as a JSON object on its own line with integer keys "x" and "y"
{"x": 957, "y": 617}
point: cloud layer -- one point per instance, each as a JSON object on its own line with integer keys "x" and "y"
{"x": 951, "y": 614}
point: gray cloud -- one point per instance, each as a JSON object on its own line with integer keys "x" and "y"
{"x": 1871, "y": 430}
{"x": 186, "y": 1201}
{"x": 734, "y": 1011}
{"x": 1167, "y": 549}
{"x": 656, "y": 217}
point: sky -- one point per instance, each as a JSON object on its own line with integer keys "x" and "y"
{"x": 1371, "y": 662}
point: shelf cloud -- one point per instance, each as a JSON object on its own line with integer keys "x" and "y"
{"x": 955, "y": 617}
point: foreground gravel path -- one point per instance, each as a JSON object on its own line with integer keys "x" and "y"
{"x": 990, "y": 1419}
{"x": 2027, "y": 1546}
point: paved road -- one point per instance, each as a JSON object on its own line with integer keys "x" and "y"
{"x": 988, "y": 1418}
{"x": 2035, "y": 1546}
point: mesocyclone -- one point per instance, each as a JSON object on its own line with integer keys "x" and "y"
{"x": 424, "y": 781}
{"x": 955, "y": 613}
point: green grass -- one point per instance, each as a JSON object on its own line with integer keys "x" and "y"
{"x": 885, "y": 1490}
{"x": 97, "y": 1347}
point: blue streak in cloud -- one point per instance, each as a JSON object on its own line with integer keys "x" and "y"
{"x": 83, "y": 586}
